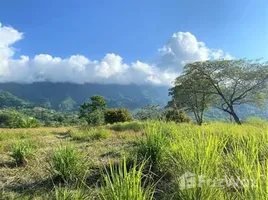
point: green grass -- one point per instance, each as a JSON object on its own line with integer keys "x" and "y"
{"x": 222, "y": 157}
{"x": 152, "y": 147}
{"x": 68, "y": 165}
{"x": 127, "y": 126}
{"x": 89, "y": 134}
{"x": 21, "y": 152}
{"x": 123, "y": 183}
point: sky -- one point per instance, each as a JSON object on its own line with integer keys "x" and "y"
{"x": 119, "y": 41}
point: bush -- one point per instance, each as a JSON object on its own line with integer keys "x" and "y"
{"x": 68, "y": 165}
{"x": 177, "y": 116}
{"x": 11, "y": 119}
{"x": 121, "y": 183}
{"x": 30, "y": 122}
{"x": 115, "y": 115}
{"x": 21, "y": 151}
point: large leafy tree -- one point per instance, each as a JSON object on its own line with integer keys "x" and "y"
{"x": 231, "y": 82}
{"x": 93, "y": 111}
{"x": 189, "y": 94}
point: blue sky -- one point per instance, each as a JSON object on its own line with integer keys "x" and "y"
{"x": 134, "y": 30}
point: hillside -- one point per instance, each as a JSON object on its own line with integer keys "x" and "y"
{"x": 53, "y": 94}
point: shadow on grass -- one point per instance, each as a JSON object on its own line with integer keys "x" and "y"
{"x": 8, "y": 164}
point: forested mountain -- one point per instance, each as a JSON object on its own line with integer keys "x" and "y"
{"x": 62, "y": 95}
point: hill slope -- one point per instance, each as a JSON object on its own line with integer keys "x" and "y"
{"x": 52, "y": 94}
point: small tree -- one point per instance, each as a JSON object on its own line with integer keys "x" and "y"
{"x": 117, "y": 115}
{"x": 93, "y": 111}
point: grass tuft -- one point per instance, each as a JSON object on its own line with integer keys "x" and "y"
{"x": 21, "y": 152}
{"x": 123, "y": 183}
{"x": 68, "y": 165}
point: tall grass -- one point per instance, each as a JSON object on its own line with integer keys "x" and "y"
{"x": 153, "y": 146}
{"x": 21, "y": 152}
{"x": 127, "y": 126}
{"x": 121, "y": 183}
{"x": 68, "y": 165}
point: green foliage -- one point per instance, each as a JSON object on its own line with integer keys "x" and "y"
{"x": 115, "y": 115}
{"x": 86, "y": 134}
{"x": 190, "y": 94}
{"x": 123, "y": 183}
{"x": 8, "y": 100}
{"x": 11, "y": 119}
{"x": 63, "y": 193}
{"x": 30, "y": 122}
{"x": 153, "y": 145}
{"x": 21, "y": 151}
{"x": 93, "y": 111}
{"x": 95, "y": 118}
{"x": 149, "y": 112}
{"x": 68, "y": 104}
{"x": 178, "y": 116}
{"x": 127, "y": 126}
{"x": 68, "y": 165}
{"x": 231, "y": 82}
{"x": 256, "y": 121}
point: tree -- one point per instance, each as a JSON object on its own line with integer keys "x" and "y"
{"x": 67, "y": 104}
{"x": 11, "y": 119}
{"x": 189, "y": 94}
{"x": 114, "y": 115}
{"x": 232, "y": 82}
{"x": 93, "y": 111}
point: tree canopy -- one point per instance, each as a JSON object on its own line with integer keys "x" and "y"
{"x": 224, "y": 84}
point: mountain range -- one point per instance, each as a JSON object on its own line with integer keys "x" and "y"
{"x": 53, "y": 94}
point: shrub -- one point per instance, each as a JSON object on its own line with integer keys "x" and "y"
{"x": 11, "y": 119}
{"x": 114, "y": 115}
{"x": 30, "y": 122}
{"x": 68, "y": 165}
{"x": 177, "y": 116}
{"x": 21, "y": 151}
{"x": 121, "y": 183}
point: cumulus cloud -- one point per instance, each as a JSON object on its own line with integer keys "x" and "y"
{"x": 181, "y": 48}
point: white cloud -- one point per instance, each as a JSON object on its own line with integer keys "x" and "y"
{"x": 181, "y": 48}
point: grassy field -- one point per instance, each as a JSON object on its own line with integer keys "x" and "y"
{"x": 153, "y": 160}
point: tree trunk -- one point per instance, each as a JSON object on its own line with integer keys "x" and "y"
{"x": 234, "y": 115}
